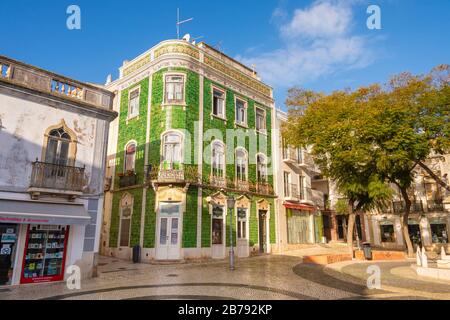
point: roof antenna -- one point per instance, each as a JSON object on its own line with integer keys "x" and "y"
{"x": 179, "y": 23}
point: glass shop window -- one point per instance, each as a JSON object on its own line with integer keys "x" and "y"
{"x": 387, "y": 233}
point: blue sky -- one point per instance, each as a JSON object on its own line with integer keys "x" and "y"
{"x": 321, "y": 45}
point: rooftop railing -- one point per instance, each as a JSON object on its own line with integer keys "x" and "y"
{"x": 44, "y": 81}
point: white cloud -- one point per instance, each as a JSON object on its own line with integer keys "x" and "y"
{"x": 317, "y": 41}
{"x": 322, "y": 19}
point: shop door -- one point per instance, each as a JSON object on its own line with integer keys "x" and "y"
{"x": 8, "y": 239}
{"x": 262, "y": 231}
{"x": 168, "y": 247}
{"x": 218, "y": 233}
{"x": 242, "y": 234}
{"x": 298, "y": 228}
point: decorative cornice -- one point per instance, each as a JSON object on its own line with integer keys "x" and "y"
{"x": 137, "y": 65}
{"x": 237, "y": 75}
{"x": 177, "y": 48}
{"x": 171, "y": 50}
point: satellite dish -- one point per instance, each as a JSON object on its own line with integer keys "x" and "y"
{"x": 187, "y": 37}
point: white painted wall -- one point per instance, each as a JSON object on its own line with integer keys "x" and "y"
{"x": 24, "y": 124}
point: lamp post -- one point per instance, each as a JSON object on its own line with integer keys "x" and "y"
{"x": 230, "y": 204}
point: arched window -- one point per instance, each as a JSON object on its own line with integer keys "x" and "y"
{"x": 130, "y": 157}
{"x": 218, "y": 159}
{"x": 241, "y": 164}
{"x": 126, "y": 211}
{"x": 57, "y": 149}
{"x": 261, "y": 167}
{"x": 172, "y": 152}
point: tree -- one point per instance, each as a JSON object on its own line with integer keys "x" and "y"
{"x": 375, "y": 134}
{"x": 334, "y": 127}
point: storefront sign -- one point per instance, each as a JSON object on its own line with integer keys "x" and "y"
{"x": 8, "y": 238}
{"x": 23, "y": 220}
{"x": 45, "y": 253}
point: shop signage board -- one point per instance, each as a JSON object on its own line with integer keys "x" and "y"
{"x": 45, "y": 253}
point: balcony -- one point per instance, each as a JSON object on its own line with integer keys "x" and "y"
{"x": 242, "y": 185}
{"x": 290, "y": 155}
{"x": 399, "y": 207}
{"x": 305, "y": 160}
{"x": 436, "y": 205}
{"x": 56, "y": 179}
{"x": 172, "y": 174}
{"x": 128, "y": 180}
{"x": 18, "y": 73}
{"x": 264, "y": 188}
{"x": 218, "y": 182}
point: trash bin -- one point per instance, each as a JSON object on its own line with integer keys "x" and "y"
{"x": 367, "y": 251}
{"x": 136, "y": 254}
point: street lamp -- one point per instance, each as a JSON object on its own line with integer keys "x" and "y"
{"x": 230, "y": 204}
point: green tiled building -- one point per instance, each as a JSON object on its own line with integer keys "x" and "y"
{"x": 195, "y": 128}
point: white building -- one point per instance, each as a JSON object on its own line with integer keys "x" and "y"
{"x": 429, "y": 220}
{"x": 299, "y": 205}
{"x": 53, "y": 137}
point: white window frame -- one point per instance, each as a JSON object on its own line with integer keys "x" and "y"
{"x": 242, "y": 229}
{"x": 224, "y": 117}
{"x": 245, "y": 122}
{"x": 289, "y": 181}
{"x": 163, "y": 143}
{"x": 236, "y": 163}
{"x": 266, "y": 165}
{"x": 177, "y": 102}
{"x": 130, "y": 115}
{"x": 125, "y": 155}
{"x": 224, "y": 158}
{"x": 264, "y": 131}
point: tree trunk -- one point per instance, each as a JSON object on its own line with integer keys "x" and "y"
{"x": 441, "y": 182}
{"x": 350, "y": 227}
{"x": 405, "y": 220}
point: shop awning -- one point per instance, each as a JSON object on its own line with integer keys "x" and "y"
{"x": 45, "y": 213}
{"x": 299, "y": 206}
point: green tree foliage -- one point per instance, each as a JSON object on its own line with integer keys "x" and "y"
{"x": 374, "y": 135}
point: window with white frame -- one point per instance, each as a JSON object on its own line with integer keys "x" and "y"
{"x": 218, "y": 103}
{"x": 261, "y": 166}
{"x": 287, "y": 184}
{"x": 125, "y": 224}
{"x": 172, "y": 151}
{"x": 260, "y": 120}
{"x": 130, "y": 157}
{"x": 241, "y": 164}
{"x": 242, "y": 223}
{"x": 133, "y": 103}
{"x": 218, "y": 159}
{"x": 174, "y": 86}
{"x": 241, "y": 112}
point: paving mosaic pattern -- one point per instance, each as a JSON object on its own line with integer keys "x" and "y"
{"x": 259, "y": 278}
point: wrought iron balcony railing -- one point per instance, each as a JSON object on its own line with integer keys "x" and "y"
{"x": 264, "y": 188}
{"x": 57, "y": 177}
{"x": 242, "y": 185}
{"x": 290, "y": 155}
{"x": 128, "y": 180}
{"x": 219, "y": 182}
{"x": 400, "y": 206}
{"x": 436, "y": 205}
